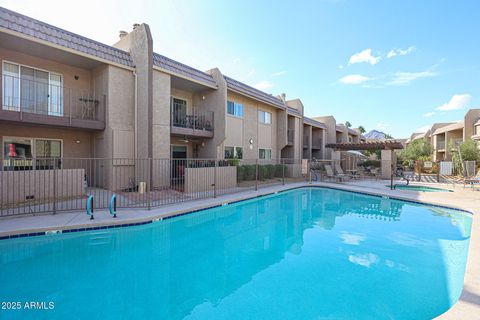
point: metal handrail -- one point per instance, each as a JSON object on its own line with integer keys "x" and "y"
{"x": 31, "y": 96}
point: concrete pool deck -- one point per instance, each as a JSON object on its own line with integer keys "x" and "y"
{"x": 468, "y": 306}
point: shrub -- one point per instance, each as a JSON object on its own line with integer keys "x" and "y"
{"x": 371, "y": 163}
{"x": 279, "y": 170}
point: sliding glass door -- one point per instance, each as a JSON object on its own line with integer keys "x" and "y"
{"x": 32, "y": 90}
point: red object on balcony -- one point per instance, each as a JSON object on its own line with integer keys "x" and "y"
{"x": 11, "y": 150}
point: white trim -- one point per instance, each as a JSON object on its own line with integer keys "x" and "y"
{"x": 265, "y": 112}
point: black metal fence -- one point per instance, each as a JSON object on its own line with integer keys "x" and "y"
{"x": 43, "y": 185}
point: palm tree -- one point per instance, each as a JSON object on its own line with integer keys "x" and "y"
{"x": 361, "y": 129}
{"x": 348, "y": 124}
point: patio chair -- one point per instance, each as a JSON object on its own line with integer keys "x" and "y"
{"x": 472, "y": 181}
{"x": 340, "y": 172}
{"x": 330, "y": 173}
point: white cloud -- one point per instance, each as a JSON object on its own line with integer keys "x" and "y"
{"x": 279, "y": 73}
{"x": 353, "y": 79}
{"x": 352, "y": 238}
{"x": 340, "y": 67}
{"x": 250, "y": 73}
{"x": 263, "y": 85}
{"x": 457, "y": 102}
{"x": 364, "y": 260}
{"x": 364, "y": 56}
{"x": 400, "y": 52}
{"x": 404, "y": 78}
{"x": 423, "y": 129}
{"x": 429, "y": 114}
{"x": 236, "y": 60}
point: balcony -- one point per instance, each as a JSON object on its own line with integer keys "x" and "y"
{"x": 455, "y": 143}
{"x": 195, "y": 124}
{"x": 306, "y": 142}
{"x": 440, "y": 146}
{"x": 317, "y": 144}
{"x": 290, "y": 137}
{"x": 34, "y": 102}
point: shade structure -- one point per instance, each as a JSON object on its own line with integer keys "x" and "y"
{"x": 368, "y": 145}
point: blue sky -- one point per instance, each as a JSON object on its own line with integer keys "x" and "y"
{"x": 396, "y": 66}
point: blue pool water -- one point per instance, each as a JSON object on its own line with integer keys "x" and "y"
{"x": 309, "y": 253}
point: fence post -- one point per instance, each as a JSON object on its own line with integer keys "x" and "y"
{"x": 256, "y": 174}
{"x": 282, "y": 162}
{"x": 215, "y": 179}
{"x": 149, "y": 183}
{"x": 54, "y": 187}
{"x": 309, "y": 172}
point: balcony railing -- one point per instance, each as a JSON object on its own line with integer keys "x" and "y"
{"x": 317, "y": 144}
{"x": 290, "y": 136}
{"x": 202, "y": 120}
{"x": 455, "y": 143}
{"x": 440, "y": 145}
{"x": 306, "y": 141}
{"x": 42, "y": 102}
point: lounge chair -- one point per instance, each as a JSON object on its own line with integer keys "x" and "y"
{"x": 330, "y": 173}
{"x": 340, "y": 172}
{"x": 472, "y": 181}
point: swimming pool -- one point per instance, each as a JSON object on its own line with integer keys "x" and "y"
{"x": 420, "y": 188}
{"x": 301, "y": 254}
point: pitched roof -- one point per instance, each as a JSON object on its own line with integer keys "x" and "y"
{"x": 293, "y": 111}
{"x": 253, "y": 93}
{"x": 17, "y": 22}
{"x": 315, "y": 123}
{"x": 450, "y": 127}
{"x": 353, "y": 132}
{"x": 182, "y": 69}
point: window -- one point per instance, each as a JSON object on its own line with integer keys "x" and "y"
{"x": 264, "y": 117}
{"x": 18, "y": 153}
{"x": 235, "y": 109}
{"x": 32, "y": 90}
{"x": 265, "y": 153}
{"x": 233, "y": 153}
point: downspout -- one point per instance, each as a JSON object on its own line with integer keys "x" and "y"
{"x": 135, "y": 114}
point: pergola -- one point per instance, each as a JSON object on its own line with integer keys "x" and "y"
{"x": 387, "y": 147}
{"x": 369, "y": 145}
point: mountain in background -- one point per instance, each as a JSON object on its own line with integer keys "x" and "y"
{"x": 375, "y": 135}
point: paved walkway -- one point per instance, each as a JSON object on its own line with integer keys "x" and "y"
{"x": 468, "y": 307}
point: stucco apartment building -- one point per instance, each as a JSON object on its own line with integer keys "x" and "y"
{"x": 64, "y": 95}
{"x": 445, "y": 137}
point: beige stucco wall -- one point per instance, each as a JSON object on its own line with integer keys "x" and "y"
{"x": 472, "y": 116}
{"x": 240, "y": 130}
{"x": 203, "y": 179}
{"x": 161, "y": 115}
{"x": 214, "y": 100}
{"x": 329, "y": 135}
{"x": 71, "y": 149}
{"x": 41, "y": 185}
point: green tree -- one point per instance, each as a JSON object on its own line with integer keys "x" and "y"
{"x": 361, "y": 129}
{"x": 348, "y": 124}
{"x": 420, "y": 149}
{"x": 388, "y": 136}
{"x": 468, "y": 152}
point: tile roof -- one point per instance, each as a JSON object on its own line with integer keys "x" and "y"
{"x": 31, "y": 27}
{"x": 314, "y": 123}
{"x": 352, "y": 131}
{"x": 182, "y": 69}
{"x": 254, "y": 93}
{"x": 340, "y": 128}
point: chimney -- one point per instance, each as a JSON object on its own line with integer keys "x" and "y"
{"x": 122, "y": 34}
{"x": 284, "y": 97}
{"x": 135, "y": 25}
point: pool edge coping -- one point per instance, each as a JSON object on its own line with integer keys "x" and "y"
{"x": 135, "y": 221}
